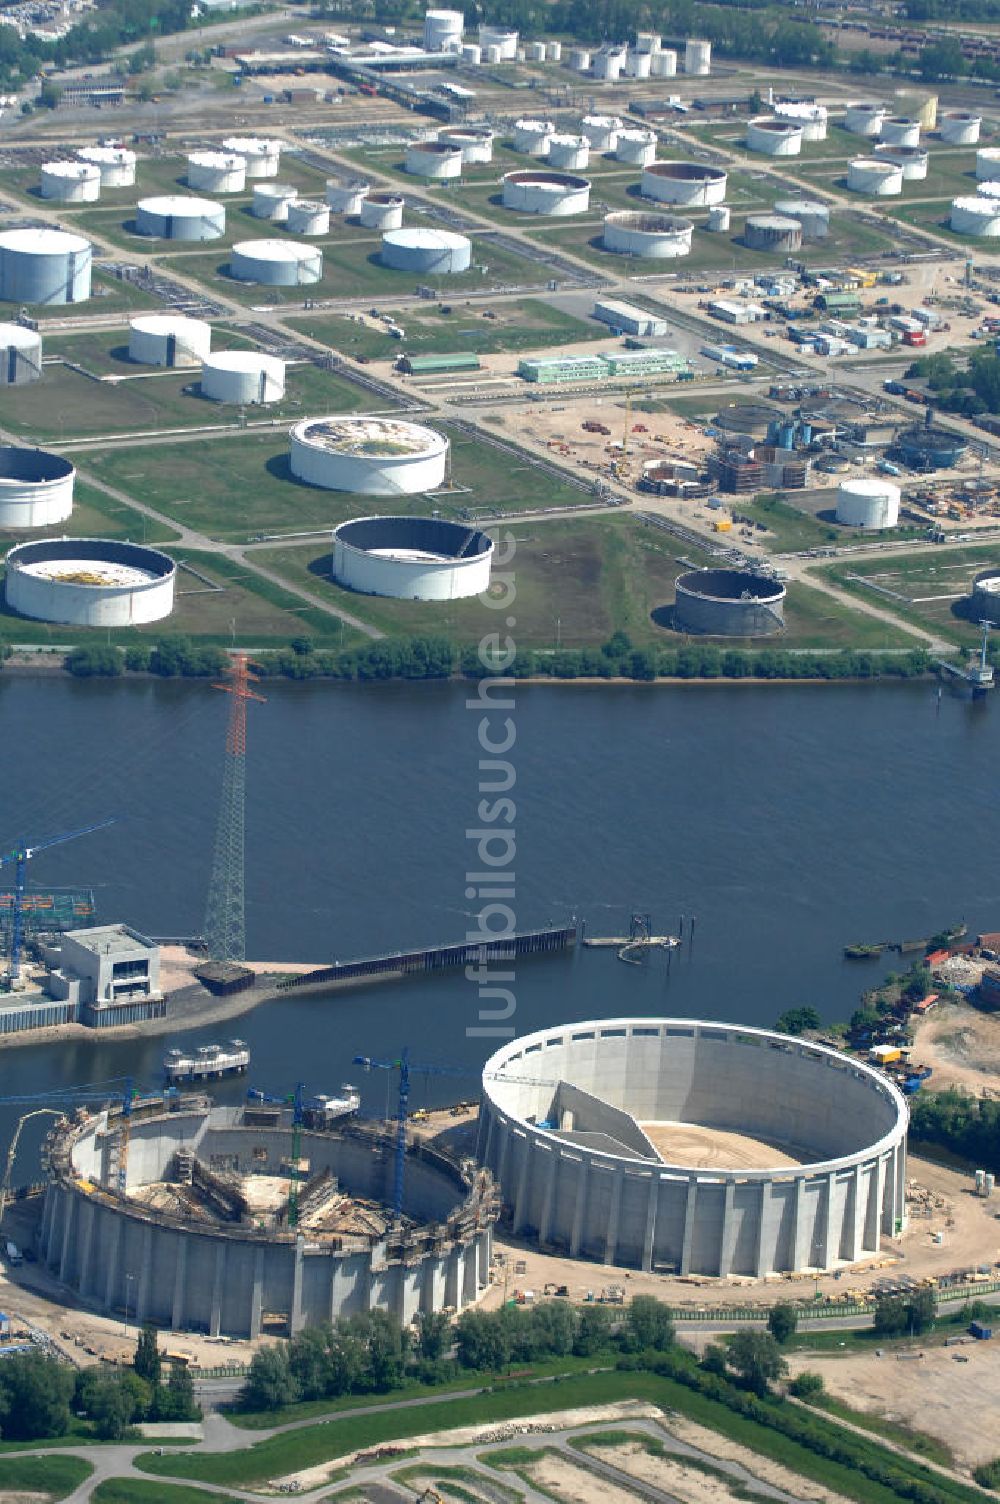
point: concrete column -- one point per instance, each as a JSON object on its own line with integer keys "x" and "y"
{"x": 521, "y": 1196}
{"x": 453, "y": 1283}
{"x": 614, "y": 1217}
{"x": 87, "y": 1217}
{"x": 145, "y": 1274}
{"x": 177, "y": 1310}
{"x": 295, "y": 1320}
{"x": 117, "y": 1225}
{"x": 856, "y": 1213}
{"x": 830, "y": 1252}
{"x": 336, "y": 1282}
{"x": 67, "y": 1235}
{"x": 548, "y": 1198}
{"x": 799, "y": 1230}
{"x": 484, "y": 1246}
{"x": 579, "y": 1207}
{"x": 469, "y": 1261}
{"x": 649, "y": 1237}
{"x": 48, "y": 1212}
{"x": 397, "y": 1299}
{"x": 501, "y": 1168}
{"x": 688, "y": 1235}
{"x": 728, "y": 1245}
{"x": 218, "y": 1285}
{"x": 764, "y": 1256}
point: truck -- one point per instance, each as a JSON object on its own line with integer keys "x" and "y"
{"x": 13, "y": 1253}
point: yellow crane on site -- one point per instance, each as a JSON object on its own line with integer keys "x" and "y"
{"x": 621, "y": 469}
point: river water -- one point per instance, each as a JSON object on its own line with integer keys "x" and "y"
{"x": 789, "y": 819}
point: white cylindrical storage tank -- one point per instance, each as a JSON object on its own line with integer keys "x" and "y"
{"x": 216, "y": 172}
{"x": 492, "y": 53}
{"x": 534, "y": 52}
{"x": 504, "y": 41}
{"x": 263, "y": 157}
{"x": 579, "y": 59}
{"x": 637, "y": 64}
{"x": 913, "y": 160}
{"x": 433, "y": 159}
{"x": 276, "y": 263}
{"x": 772, "y": 232}
{"x": 868, "y": 503}
{"x": 698, "y": 57}
{"x": 811, "y": 117}
{"x": 382, "y": 211}
{"x": 168, "y": 339}
{"x": 90, "y": 582}
{"x": 813, "y": 216}
{"x": 664, "y": 63}
{"x": 988, "y": 163}
{"x": 346, "y": 198}
{"x": 472, "y": 54}
{"x": 601, "y": 131}
{"x": 648, "y": 41}
{"x": 553, "y": 52}
{"x": 443, "y": 30}
{"x": 533, "y": 136}
{"x": 719, "y": 219}
{"x": 412, "y": 558}
{"x": 637, "y": 147}
{"x": 20, "y": 355}
{"x": 660, "y": 236}
{"x": 877, "y": 179}
{"x": 572, "y": 152}
{"x": 987, "y": 190}
{"x": 374, "y": 456}
{"x": 864, "y": 118}
{"x": 558, "y": 193}
{"x": 307, "y": 216}
{"x": 243, "y": 376}
{"x": 475, "y": 143}
{"x": 71, "y": 182}
{"x": 44, "y": 266}
{"x": 116, "y": 164}
{"x": 174, "y": 218}
{"x": 36, "y": 487}
{"x": 608, "y": 63}
{"x": 960, "y": 127}
{"x": 271, "y": 201}
{"x": 975, "y": 216}
{"x": 425, "y": 250}
{"x": 684, "y": 183}
{"x": 899, "y": 130}
{"x": 774, "y": 137}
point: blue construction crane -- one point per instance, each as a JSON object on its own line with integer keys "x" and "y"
{"x": 404, "y": 1065}
{"x": 20, "y": 856}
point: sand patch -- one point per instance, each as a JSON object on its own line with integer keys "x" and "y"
{"x": 672, "y": 1475}
{"x": 701, "y": 1148}
{"x": 713, "y": 1444}
{"x": 573, "y": 1482}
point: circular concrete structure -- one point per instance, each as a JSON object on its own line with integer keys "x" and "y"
{"x": 900, "y": 130}
{"x": 555, "y": 193}
{"x": 276, "y": 263}
{"x": 426, "y": 251}
{"x": 960, "y": 127}
{"x": 235, "y": 1267}
{"x": 601, "y": 131}
{"x": 263, "y": 157}
{"x": 70, "y": 182}
{"x": 20, "y": 355}
{"x": 775, "y": 137}
{"x": 44, "y": 266}
{"x": 729, "y": 603}
{"x": 692, "y": 1148}
{"x": 90, "y": 582}
{"x": 271, "y": 201}
{"x": 412, "y": 558}
{"x": 687, "y": 183}
{"x": 243, "y": 376}
{"x": 533, "y": 136}
{"x": 638, "y": 148}
{"x": 172, "y": 217}
{"x": 168, "y": 339}
{"x": 914, "y": 160}
{"x": 346, "y": 198}
{"x": 569, "y": 153}
{"x": 772, "y": 232}
{"x": 813, "y": 216}
{"x": 868, "y": 503}
{"x": 36, "y": 487}
{"x": 373, "y": 456}
{"x": 216, "y": 172}
{"x": 865, "y": 118}
{"x": 382, "y": 211}
{"x": 116, "y": 164}
{"x": 988, "y": 164}
{"x": 933, "y": 448}
{"x": 875, "y": 178}
{"x": 433, "y": 159}
{"x": 657, "y": 236}
{"x": 984, "y": 601}
{"x": 811, "y": 117}
{"x": 308, "y": 216}
{"x": 474, "y": 142}
{"x": 975, "y": 216}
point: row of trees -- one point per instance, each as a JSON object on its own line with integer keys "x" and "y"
{"x": 363, "y": 1354}
{"x": 967, "y": 1126}
{"x": 971, "y": 389}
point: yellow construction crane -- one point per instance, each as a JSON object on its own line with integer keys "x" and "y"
{"x": 622, "y": 467}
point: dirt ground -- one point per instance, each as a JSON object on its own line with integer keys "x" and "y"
{"x": 576, "y": 1484}
{"x": 719, "y": 1446}
{"x": 713, "y": 1148}
{"x": 963, "y": 1046}
{"x": 669, "y": 1474}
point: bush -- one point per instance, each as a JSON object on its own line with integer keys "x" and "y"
{"x": 94, "y": 661}
{"x": 987, "y": 1474}
{"x": 807, "y": 1386}
{"x": 782, "y": 1321}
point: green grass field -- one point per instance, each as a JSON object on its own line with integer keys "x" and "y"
{"x": 42, "y": 1478}
{"x": 145, "y": 1491}
{"x": 528, "y": 324}
{"x": 105, "y": 353}
{"x": 108, "y": 295}
{"x": 933, "y": 584}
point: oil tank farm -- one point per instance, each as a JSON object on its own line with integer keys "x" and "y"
{"x": 412, "y": 558}
{"x": 263, "y": 157}
{"x": 216, "y": 172}
{"x": 433, "y": 159}
{"x": 875, "y": 178}
{"x": 608, "y": 62}
{"x": 688, "y": 183}
{"x": 205, "y": 1235}
{"x": 984, "y": 599}
{"x": 443, "y": 30}
{"x": 900, "y": 130}
{"x": 865, "y": 118}
{"x": 426, "y": 251}
{"x": 772, "y": 232}
{"x": 929, "y": 447}
{"x": 36, "y": 487}
{"x": 813, "y": 216}
{"x": 70, "y": 182}
{"x": 979, "y": 216}
{"x": 44, "y": 266}
{"x": 20, "y": 355}
{"x": 382, "y": 211}
{"x": 504, "y": 41}
{"x": 774, "y": 137}
{"x": 569, "y": 153}
{"x": 276, "y": 263}
{"x": 960, "y": 127}
{"x": 729, "y": 603}
{"x": 475, "y": 142}
{"x": 173, "y": 217}
{"x": 116, "y": 164}
{"x": 243, "y": 376}
{"x": 371, "y": 455}
{"x": 90, "y": 582}
{"x": 698, "y": 57}
{"x": 657, "y": 236}
{"x": 346, "y": 198}
{"x": 685, "y": 1147}
{"x": 168, "y": 339}
{"x": 637, "y": 147}
{"x": 532, "y": 136}
{"x": 556, "y": 193}
{"x": 307, "y": 216}
{"x": 601, "y": 131}
{"x": 868, "y": 503}
{"x": 988, "y": 164}
{"x": 811, "y": 117}
{"x": 913, "y": 160}
{"x": 271, "y": 201}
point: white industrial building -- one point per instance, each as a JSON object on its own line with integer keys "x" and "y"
{"x": 373, "y": 456}
{"x": 627, "y": 319}
{"x": 276, "y": 263}
{"x": 774, "y": 136}
{"x": 443, "y": 30}
{"x": 868, "y": 503}
{"x": 271, "y": 201}
{"x": 90, "y": 582}
{"x": 173, "y": 217}
{"x": 412, "y": 558}
{"x": 168, "y": 339}
{"x": 103, "y": 966}
{"x": 243, "y": 376}
{"x": 475, "y": 142}
{"x": 601, "y": 131}
{"x": 44, "y": 266}
{"x": 875, "y": 178}
{"x": 433, "y": 159}
{"x": 688, "y": 183}
{"x": 426, "y": 251}
{"x": 346, "y": 198}
{"x": 307, "y": 217}
{"x": 555, "y": 193}
{"x": 116, "y": 164}
{"x": 216, "y": 172}
{"x": 20, "y": 355}
{"x": 36, "y": 487}
{"x": 698, "y": 57}
{"x": 568, "y": 153}
{"x": 533, "y": 136}
{"x": 637, "y": 147}
{"x": 382, "y": 211}
{"x": 263, "y": 157}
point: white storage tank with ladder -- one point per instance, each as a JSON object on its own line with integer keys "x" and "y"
{"x": 427, "y": 251}
{"x": 71, "y": 182}
{"x": 216, "y": 172}
{"x": 556, "y": 193}
{"x": 443, "y": 30}
{"x": 271, "y": 201}
{"x": 433, "y": 159}
{"x": 346, "y": 198}
{"x": 116, "y": 164}
{"x": 276, "y": 263}
{"x": 44, "y": 266}
{"x": 637, "y": 147}
{"x": 960, "y": 127}
{"x": 663, "y": 64}
{"x": 308, "y": 216}
{"x": 570, "y": 153}
{"x": 36, "y": 487}
{"x": 172, "y": 217}
{"x": 533, "y": 136}
{"x": 168, "y": 339}
{"x": 20, "y": 355}
{"x": 382, "y": 211}
{"x": 601, "y": 131}
{"x": 865, "y": 118}
{"x": 774, "y": 137}
{"x": 243, "y": 376}
{"x": 263, "y": 157}
{"x": 900, "y": 130}
{"x": 474, "y": 142}
{"x": 978, "y": 216}
{"x": 876, "y": 179}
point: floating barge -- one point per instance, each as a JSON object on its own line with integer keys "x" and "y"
{"x": 209, "y": 1062}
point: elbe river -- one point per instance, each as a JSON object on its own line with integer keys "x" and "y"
{"x": 789, "y": 820}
